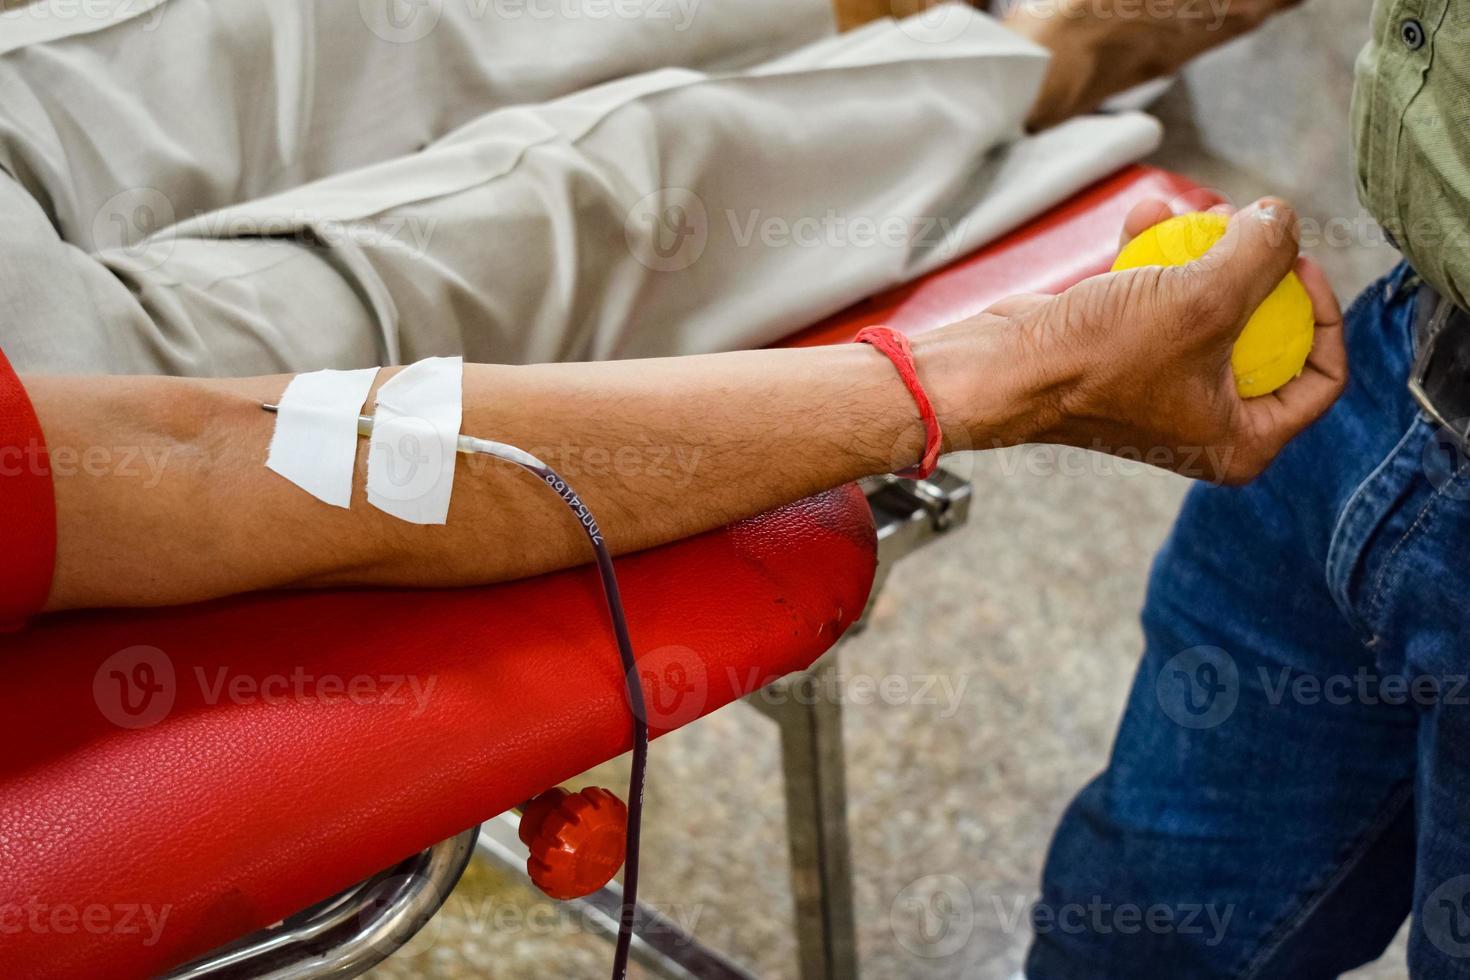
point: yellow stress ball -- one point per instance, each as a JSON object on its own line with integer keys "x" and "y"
{"x": 1274, "y": 346}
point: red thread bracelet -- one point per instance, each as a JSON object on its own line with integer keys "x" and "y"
{"x": 895, "y": 346}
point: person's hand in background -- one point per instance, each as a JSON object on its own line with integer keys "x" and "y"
{"x": 1102, "y": 47}
{"x": 1139, "y": 361}
{"x": 1099, "y": 47}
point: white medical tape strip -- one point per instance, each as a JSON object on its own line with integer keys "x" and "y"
{"x": 315, "y": 443}
{"x": 415, "y": 434}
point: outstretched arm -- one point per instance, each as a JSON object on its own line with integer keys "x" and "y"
{"x": 163, "y": 496}
{"x": 659, "y": 449}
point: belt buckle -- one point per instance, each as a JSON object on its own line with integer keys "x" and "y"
{"x": 1416, "y": 384}
{"x": 1429, "y": 340}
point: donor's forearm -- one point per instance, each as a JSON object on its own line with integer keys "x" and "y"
{"x": 163, "y": 496}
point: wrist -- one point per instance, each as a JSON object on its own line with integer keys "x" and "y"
{"x": 991, "y": 382}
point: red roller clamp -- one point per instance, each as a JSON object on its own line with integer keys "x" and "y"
{"x": 577, "y": 840}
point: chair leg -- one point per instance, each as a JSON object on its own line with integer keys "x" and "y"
{"x": 810, "y": 718}
{"x": 907, "y": 515}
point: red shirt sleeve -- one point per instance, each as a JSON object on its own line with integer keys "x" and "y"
{"x": 27, "y": 506}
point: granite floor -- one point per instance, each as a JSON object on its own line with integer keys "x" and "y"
{"x": 1024, "y": 622}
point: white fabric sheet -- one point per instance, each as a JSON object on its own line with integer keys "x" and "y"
{"x": 273, "y": 185}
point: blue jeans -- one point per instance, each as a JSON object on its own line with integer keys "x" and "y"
{"x": 1292, "y": 774}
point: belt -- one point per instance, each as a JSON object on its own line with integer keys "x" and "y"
{"x": 1440, "y": 379}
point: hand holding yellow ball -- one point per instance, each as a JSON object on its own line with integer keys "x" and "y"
{"x": 1277, "y": 340}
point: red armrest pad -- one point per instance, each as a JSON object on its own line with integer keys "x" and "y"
{"x": 234, "y": 762}
{"x": 27, "y": 505}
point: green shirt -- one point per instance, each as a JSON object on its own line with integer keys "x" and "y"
{"x": 1411, "y": 123}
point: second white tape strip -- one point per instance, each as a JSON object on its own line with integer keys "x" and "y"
{"x": 415, "y": 434}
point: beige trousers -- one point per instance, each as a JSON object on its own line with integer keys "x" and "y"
{"x": 214, "y": 188}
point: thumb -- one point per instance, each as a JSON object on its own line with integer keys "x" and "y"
{"x": 1257, "y": 251}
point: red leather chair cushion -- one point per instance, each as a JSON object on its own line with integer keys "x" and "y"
{"x": 251, "y": 789}
{"x": 231, "y": 763}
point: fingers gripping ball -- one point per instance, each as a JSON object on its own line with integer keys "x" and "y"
{"x": 1274, "y": 346}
